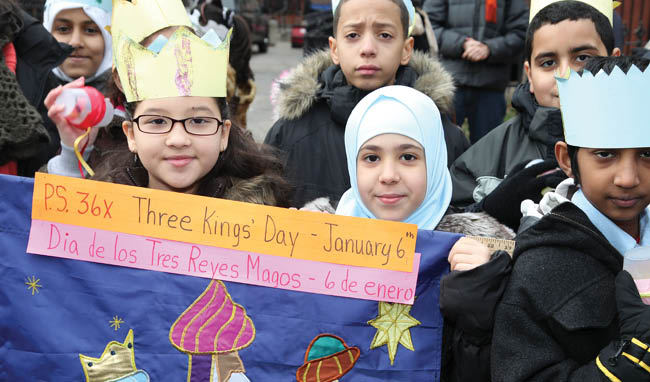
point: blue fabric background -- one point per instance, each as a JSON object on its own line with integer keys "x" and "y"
{"x": 41, "y": 336}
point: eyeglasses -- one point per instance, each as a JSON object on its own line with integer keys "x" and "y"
{"x": 159, "y": 124}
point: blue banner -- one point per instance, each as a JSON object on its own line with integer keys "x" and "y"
{"x": 67, "y": 320}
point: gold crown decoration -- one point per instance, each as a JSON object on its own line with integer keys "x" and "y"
{"x": 184, "y": 65}
{"x": 605, "y": 111}
{"x": 139, "y": 19}
{"x": 606, "y": 7}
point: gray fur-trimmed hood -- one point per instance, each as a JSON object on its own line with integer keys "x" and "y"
{"x": 298, "y": 91}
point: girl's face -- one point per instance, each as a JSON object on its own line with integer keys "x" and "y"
{"x": 391, "y": 176}
{"x": 176, "y": 160}
{"x": 75, "y": 28}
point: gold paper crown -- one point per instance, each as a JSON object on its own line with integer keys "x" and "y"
{"x": 606, "y": 7}
{"x": 183, "y": 65}
{"x": 139, "y": 19}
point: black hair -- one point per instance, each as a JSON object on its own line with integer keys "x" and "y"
{"x": 607, "y": 64}
{"x": 573, "y": 156}
{"x": 570, "y": 10}
{"x": 596, "y": 64}
{"x": 403, "y": 13}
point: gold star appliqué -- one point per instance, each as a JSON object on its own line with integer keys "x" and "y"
{"x": 33, "y": 284}
{"x": 393, "y": 324}
{"x": 116, "y": 322}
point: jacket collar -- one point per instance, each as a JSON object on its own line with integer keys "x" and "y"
{"x": 137, "y": 176}
{"x": 343, "y": 97}
{"x": 622, "y": 241}
{"x": 543, "y": 124}
{"x": 304, "y": 86}
{"x": 567, "y": 226}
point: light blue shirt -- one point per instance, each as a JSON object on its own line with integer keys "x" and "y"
{"x": 618, "y": 238}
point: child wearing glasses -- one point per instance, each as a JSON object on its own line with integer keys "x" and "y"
{"x": 177, "y": 126}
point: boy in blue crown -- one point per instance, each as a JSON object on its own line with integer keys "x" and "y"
{"x": 569, "y": 312}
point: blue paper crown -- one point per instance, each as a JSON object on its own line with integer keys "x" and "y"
{"x": 606, "y": 111}
{"x": 106, "y": 5}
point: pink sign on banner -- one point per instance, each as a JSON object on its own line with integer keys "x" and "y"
{"x": 134, "y": 251}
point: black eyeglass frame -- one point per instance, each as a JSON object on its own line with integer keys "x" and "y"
{"x": 136, "y": 120}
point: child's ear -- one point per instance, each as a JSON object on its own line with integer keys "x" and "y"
{"x": 407, "y": 51}
{"x": 563, "y": 158}
{"x": 116, "y": 79}
{"x": 334, "y": 53}
{"x": 225, "y": 133}
{"x": 616, "y": 52}
{"x": 530, "y": 80}
{"x": 127, "y": 128}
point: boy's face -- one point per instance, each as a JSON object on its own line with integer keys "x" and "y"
{"x": 391, "y": 176}
{"x": 615, "y": 181}
{"x": 370, "y": 44}
{"x": 557, "y": 47}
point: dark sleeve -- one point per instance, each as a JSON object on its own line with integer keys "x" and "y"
{"x": 483, "y": 158}
{"x": 525, "y": 345}
{"x": 450, "y": 42}
{"x": 523, "y": 350}
{"x": 507, "y": 47}
{"x": 463, "y": 180}
{"x": 455, "y": 139}
{"x": 468, "y": 300}
{"x": 274, "y": 135}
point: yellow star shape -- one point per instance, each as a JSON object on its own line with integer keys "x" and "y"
{"x": 33, "y": 284}
{"x": 116, "y": 322}
{"x": 393, "y": 324}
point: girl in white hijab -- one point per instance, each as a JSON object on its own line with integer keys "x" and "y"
{"x": 82, "y": 24}
{"x": 397, "y": 160}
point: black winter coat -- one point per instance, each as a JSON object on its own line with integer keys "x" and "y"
{"x": 468, "y": 301}
{"x": 529, "y": 135}
{"x": 455, "y": 20}
{"x": 559, "y": 309}
{"x": 315, "y": 103}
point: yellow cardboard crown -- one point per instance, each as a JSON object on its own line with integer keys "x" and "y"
{"x": 606, "y": 7}
{"x": 139, "y": 19}
{"x": 183, "y": 65}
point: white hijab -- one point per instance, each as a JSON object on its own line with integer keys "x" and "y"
{"x": 101, "y": 15}
{"x": 406, "y": 111}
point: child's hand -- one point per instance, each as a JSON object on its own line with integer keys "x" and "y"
{"x": 67, "y": 133}
{"x": 468, "y": 254}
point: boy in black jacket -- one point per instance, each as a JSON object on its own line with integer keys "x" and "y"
{"x": 371, "y": 48}
{"x": 569, "y": 313}
{"x": 561, "y": 35}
